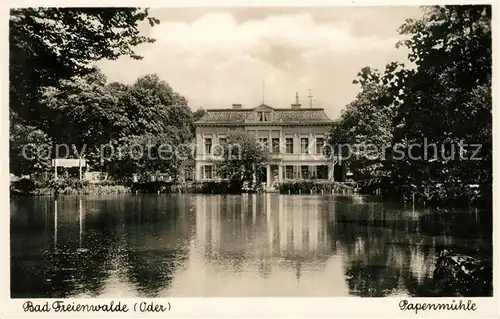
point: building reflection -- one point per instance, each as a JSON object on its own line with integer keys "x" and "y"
{"x": 259, "y": 229}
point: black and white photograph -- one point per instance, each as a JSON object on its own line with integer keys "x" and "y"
{"x": 250, "y": 151}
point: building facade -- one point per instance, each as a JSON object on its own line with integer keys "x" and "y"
{"x": 295, "y": 138}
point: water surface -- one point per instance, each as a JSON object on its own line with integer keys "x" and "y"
{"x": 224, "y": 246}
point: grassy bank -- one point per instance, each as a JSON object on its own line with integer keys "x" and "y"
{"x": 26, "y": 187}
{"x": 74, "y": 187}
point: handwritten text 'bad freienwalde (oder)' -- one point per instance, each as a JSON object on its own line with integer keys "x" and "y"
{"x": 112, "y": 306}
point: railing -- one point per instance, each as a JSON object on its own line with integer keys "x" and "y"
{"x": 275, "y": 155}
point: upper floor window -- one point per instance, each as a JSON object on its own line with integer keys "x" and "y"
{"x": 276, "y": 145}
{"x": 304, "y": 145}
{"x": 320, "y": 142}
{"x": 289, "y": 145}
{"x": 264, "y": 116}
{"x": 208, "y": 145}
{"x": 263, "y": 142}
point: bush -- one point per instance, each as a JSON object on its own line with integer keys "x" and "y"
{"x": 24, "y": 186}
{"x": 100, "y": 189}
{"x": 442, "y": 195}
{"x": 216, "y": 187}
{"x": 158, "y": 186}
{"x": 314, "y": 187}
{"x": 462, "y": 275}
{"x": 67, "y": 186}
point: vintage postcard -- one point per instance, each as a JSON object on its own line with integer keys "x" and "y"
{"x": 249, "y": 160}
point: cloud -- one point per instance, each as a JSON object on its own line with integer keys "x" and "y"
{"x": 216, "y": 61}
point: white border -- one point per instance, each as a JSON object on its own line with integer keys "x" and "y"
{"x": 240, "y": 307}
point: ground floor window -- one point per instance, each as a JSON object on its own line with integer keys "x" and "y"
{"x": 208, "y": 172}
{"x": 289, "y": 172}
{"x": 304, "y": 172}
{"x": 322, "y": 171}
{"x": 188, "y": 175}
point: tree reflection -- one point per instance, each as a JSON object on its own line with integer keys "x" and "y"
{"x": 156, "y": 245}
{"x": 392, "y": 251}
{"x": 73, "y": 261}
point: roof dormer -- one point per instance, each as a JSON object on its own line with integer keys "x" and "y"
{"x": 263, "y": 113}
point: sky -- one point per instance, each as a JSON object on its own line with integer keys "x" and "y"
{"x": 219, "y": 56}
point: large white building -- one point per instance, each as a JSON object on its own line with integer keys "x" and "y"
{"x": 294, "y": 136}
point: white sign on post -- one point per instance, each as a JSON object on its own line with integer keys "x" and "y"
{"x": 68, "y": 162}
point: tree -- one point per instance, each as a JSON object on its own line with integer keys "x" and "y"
{"x": 146, "y": 156}
{"x": 30, "y": 150}
{"x": 153, "y": 106}
{"x": 197, "y": 115}
{"x": 51, "y": 44}
{"x": 156, "y": 133}
{"x": 364, "y": 132}
{"x": 85, "y": 112}
{"x": 446, "y": 98}
{"x": 242, "y": 158}
{"x": 443, "y": 101}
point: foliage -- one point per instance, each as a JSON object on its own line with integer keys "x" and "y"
{"x": 156, "y": 137}
{"x": 29, "y": 149}
{"x": 198, "y": 114}
{"x": 85, "y": 112}
{"x": 363, "y": 134}
{"x": 447, "y": 98}
{"x": 314, "y": 187}
{"x": 462, "y": 275}
{"x": 242, "y": 158}
{"x": 48, "y": 45}
{"x": 65, "y": 186}
{"x": 444, "y": 99}
{"x": 121, "y": 130}
{"x": 215, "y": 187}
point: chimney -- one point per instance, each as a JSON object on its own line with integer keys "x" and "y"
{"x": 237, "y": 106}
{"x": 296, "y": 105}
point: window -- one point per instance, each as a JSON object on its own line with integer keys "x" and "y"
{"x": 218, "y": 150}
{"x": 304, "y": 172}
{"x": 322, "y": 172}
{"x": 289, "y": 172}
{"x": 263, "y": 142}
{"x": 207, "y": 172}
{"x": 320, "y": 142}
{"x": 208, "y": 146}
{"x": 276, "y": 145}
{"x": 289, "y": 145}
{"x": 304, "y": 145}
{"x": 264, "y": 116}
{"x": 188, "y": 176}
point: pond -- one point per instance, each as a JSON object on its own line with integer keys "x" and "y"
{"x": 232, "y": 246}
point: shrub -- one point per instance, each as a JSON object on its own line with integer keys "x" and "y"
{"x": 314, "y": 187}
{"x": 215, "y": 187}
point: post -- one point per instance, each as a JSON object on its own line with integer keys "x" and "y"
{"x": 55, "y": 170}
{"x": 268, "y": 176}
{"x": 413, "y": 200}
{"x": 81, "y": 222}
{"x": 55, "y": 224}
{"x": 80, "y": 166}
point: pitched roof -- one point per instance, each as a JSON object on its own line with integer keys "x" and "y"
{"x": 280, "y": 116}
